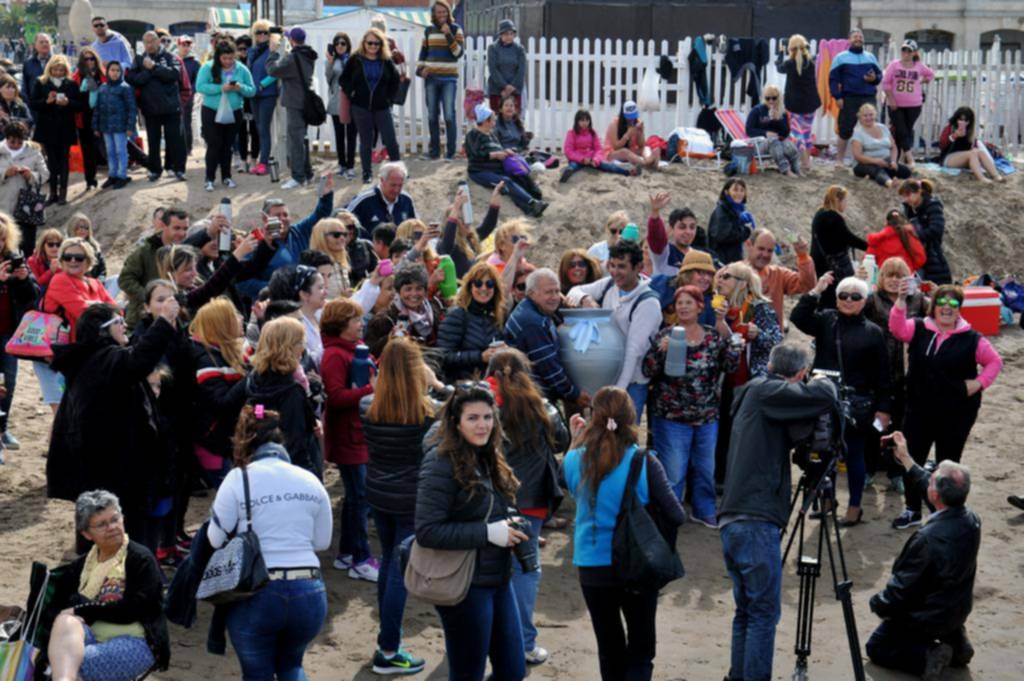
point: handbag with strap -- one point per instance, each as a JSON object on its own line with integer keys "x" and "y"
{"x": 641, "y": 558}
{"x": 36, "y": 335}
{"x": 30, "y": 208}
{"x": 402, "y": 93}
{"x": 18, "y": 657}
{"x": 313, "y": 110}
{"x": 236, "y": 570}
{"x": 441, "y": 576}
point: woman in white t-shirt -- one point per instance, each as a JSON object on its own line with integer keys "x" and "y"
{"x": 291, "y": 515}
{"x": 874, "y": 150}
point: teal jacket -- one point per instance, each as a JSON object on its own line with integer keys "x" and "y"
{"x": 212, "y": 91}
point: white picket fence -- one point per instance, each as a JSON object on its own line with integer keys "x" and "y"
{"x": 565, "y": 75}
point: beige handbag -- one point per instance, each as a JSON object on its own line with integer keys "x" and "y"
{"x": 441, "y": 576}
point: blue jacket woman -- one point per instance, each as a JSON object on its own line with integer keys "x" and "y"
{"x": 265, "y": 100}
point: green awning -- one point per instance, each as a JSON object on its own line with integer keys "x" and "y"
{"x": 230, "y": 18}
{"x": 416, "y": 16}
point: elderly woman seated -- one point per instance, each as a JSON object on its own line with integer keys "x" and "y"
{"x": 113, "y": 627}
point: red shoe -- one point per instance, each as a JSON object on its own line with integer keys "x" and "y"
{"x": 259, "y": 169}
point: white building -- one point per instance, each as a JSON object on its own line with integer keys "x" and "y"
{"x": 942, "y": 24}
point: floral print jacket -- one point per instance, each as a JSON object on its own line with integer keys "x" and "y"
{"x": 694, "y": 397}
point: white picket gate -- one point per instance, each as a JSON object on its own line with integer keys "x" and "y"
{"x": 565, "y": 75}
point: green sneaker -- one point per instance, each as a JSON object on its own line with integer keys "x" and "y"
{"x": 401, "y": 663}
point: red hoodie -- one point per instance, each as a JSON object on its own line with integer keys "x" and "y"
{"x": 886, "y": 244}
{"x": 343, "y": 431}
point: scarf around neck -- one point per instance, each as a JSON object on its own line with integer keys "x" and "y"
{"x": 421, "y": 322}
{"x": 742, "y": 212}
{"x": 104, "y": 582}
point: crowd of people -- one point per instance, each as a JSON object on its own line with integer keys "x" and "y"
{"x": 423, "y": 360}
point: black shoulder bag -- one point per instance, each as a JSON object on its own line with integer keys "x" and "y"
{"x": 641, "y": 558}
{"x": 313, "y": 110}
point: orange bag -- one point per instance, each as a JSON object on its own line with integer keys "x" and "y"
{"x": 75, "y": 162}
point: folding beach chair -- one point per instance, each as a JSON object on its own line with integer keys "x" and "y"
{"x": 736, "y": 128}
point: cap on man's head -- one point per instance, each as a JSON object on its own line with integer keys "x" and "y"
{"x": 630, "y": 111}
{"x": 296, "y": 33}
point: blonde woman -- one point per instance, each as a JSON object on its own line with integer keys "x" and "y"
{"x": 79, "y": 225}
{"x": 801, "y": 97}
{"x": 330, "y": 237}
{"x": 506, "y": 237}
{"x": 874, "y": 152}
{"x": 265, "y": 100}
{"x": 749, "y": 313}
{"x": 55, "y": 99}
{"x": 370, "y": 79}
{"x": 420, "y": 235}
{"x": 613, "y": 227}
{"x": 769, "y": 124}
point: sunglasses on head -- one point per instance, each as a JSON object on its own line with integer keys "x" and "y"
{"x": 855, "y": 297}
{"x": 337, "y": 235}
{"x": 110, "y": 322}
{"x": 947, "y": 302}
{"x": 480, "y": 283}
{"x": 73, "y": 257}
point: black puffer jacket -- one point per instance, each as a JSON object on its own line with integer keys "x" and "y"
{"x": 534, "y": 463}
{"x": 283, "y": 394}
{"x": 932, "y": 584}
{"x": 726, "y": 233}
{"x": 219, "y": 397}
{"x": 396, "y": 452}
{"x": 463, "y": 336}
{"x": 355, "y": 84}
{"x": 865, "y": 353}
{"x": 159, "y": 90}
{"x": 929, "y": 220}
{"x": 831, "y": 241}
{"x": 447, "y": 517}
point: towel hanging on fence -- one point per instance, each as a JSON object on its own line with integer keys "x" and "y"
{"x": 698, "y": 62}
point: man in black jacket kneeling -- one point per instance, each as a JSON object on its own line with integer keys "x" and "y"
{"x": 930, "y": 594}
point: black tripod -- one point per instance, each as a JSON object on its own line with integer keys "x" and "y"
{"x": 815, "y": 487}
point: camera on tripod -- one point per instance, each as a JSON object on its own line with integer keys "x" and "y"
{"x": 820, "y": 441}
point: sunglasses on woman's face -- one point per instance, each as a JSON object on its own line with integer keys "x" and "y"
{"x": 337, "y": 235}
{"x": 90, "y": 59}
{"x": 372, "y": 43}
{"x": 73, "y": 257}
{"x": 769, "y": 98}
{"x": 521, "y": 286}
{"x": 577, "y": 264}
{"x": 52, "y": 244}
{"x": 262, "y": 32}
{"x": 480, "y": 283}
{"x": 343, "y": 42}
{"x": 855, "y": 297}
{"x": 947, "y": 302}
{"x": 725, "y": 276}
{"x": 615, "y": 232}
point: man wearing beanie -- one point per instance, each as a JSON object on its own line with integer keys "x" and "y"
{"x": 440, "y": 52}
{"x": 294, "y": 70}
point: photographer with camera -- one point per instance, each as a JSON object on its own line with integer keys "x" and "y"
{"x": 845, "y": 341}
{"x": 596, "y": 471}
{"x": 755, "y": 506}
{"x": 930, "y": 594}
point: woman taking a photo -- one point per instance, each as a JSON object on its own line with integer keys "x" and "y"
{"x": 395, "y": 419}
{"x": 331, "y": 237}
{"x": 465, "y": 490}
{"x": 89, "y": 76}
{"x": 903, "y": 83}
{"x": 577, "y": 268}
{"x": 55, "y": 99}
{"x": 271, "y": 629}
{"x": 731, "y": 224}
{"x": 801, "y": 97}
{"x": 341, "y": 327}
{"x": 473, "y": 328}
{"x": 338, "y": 106}
{"x": 506, "y": 237}
{"x": 831, "y": 241}
{"x": 223, "y": 77}
{"x": 534, "y": 434}
{"x": 462, "y": 241}
{"x": 928, "y": 217}
{"x": 265, "y": 100}
{"x": 685, "y": 406}
{"x": 370, "y": 81}
{"x": 944, "y": 384}
{"x": 874, "y": 152}
{"x": 847, "y": 342}
{"x": 959, "y": 147}
{"x": 625, "y": 140}
{"x": 596, "y": 470}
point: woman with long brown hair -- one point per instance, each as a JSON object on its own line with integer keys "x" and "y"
{"x": 462, "y": 502}
{"x": 577, "y": 267}
{"x": 89, "y": 75}
{"x": 596, "y": 470}
{"x": 534, "y": 432}
{"x": 472, "y": 330}
{"x": 395, "y": 418}
{"x": 293, "y": 523}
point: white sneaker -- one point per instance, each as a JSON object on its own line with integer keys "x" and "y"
{"x": 208, "y": 186}
{"x": 230, "y": 184}
{"x": 350, "y": 174}
{"x": 537, "y": 656}
{"x": 291, "y": 184}
{"x": 367, "y": 571}
{"x": 343, "y": 562}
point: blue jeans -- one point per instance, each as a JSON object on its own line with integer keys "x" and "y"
{"x": 485, "y": 623}
{"x": 9, "y": 367}
{"x": 604, "y": 167}
{"x": 754, "y": 561}
{"x": 117, "y": 154}
{"x": 391, "y": 594}
{"x": 688, "y": 451}
{"x": 513, "y": 190}
{"x": 441, "y": 93}
{"x": 271, "y": 630}
{"x": 638, "y": 393}
{"x": 354, "y": 540}
{"x": 526, "y": 586}
{"x": 263, "y": 111}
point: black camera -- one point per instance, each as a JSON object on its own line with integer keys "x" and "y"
{"x": 17, "y": 260}
{"x": 526, "y": 551}
{"x": 821, "y": 440}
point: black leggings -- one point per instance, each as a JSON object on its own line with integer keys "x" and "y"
{"x": 623, "y": 654}
{"x": 57, "y": 157}
{"x": 248, "y": 138}
{"x": 87, "y": 140}
{"x": 903, "y": 120}
{"x": 880, "y": 174}
{"x": 345, "y": 141}
{"x": 948, "y": 432}
{"x": 220, "y": 140}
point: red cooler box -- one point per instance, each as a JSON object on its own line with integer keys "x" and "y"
{"x": 981, "y": 309}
